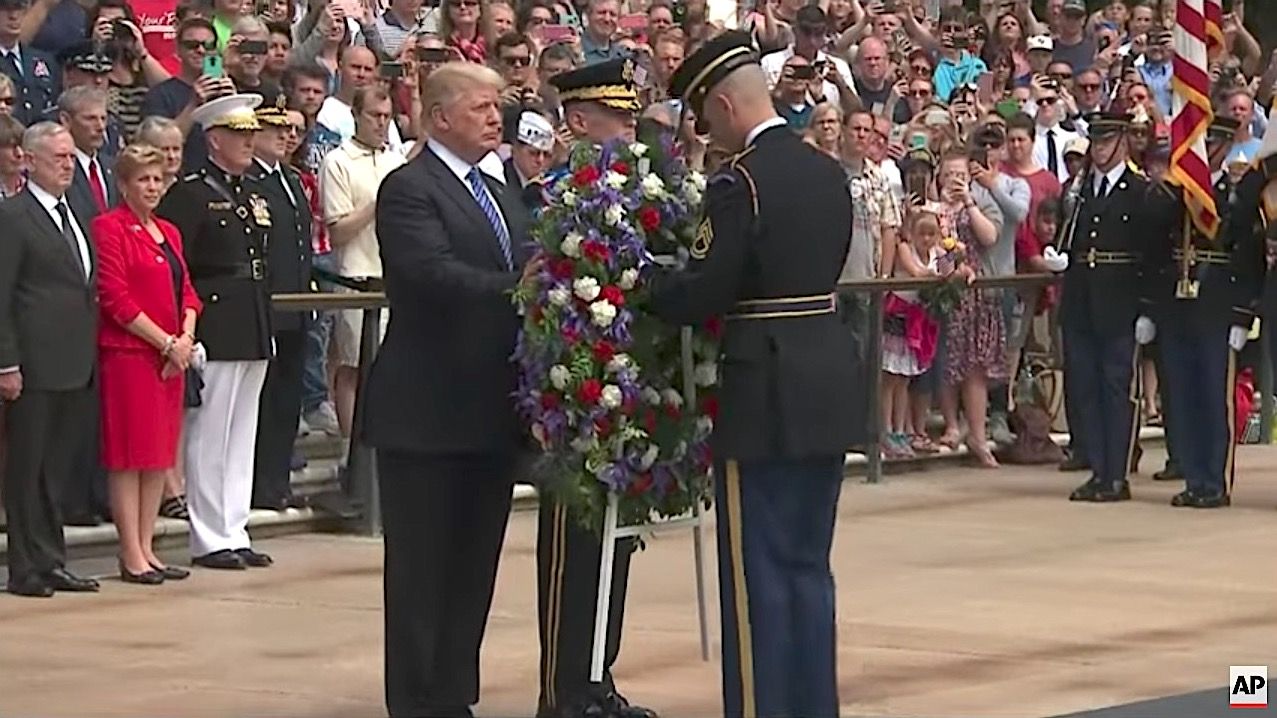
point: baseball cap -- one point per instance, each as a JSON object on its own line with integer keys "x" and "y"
{"x": 1041, "y": 42}
{"x": 1074, "y": 7}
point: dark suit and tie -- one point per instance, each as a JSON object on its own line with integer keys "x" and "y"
{"x": 48, "y": 333}
{"x": 37, "y": 81}
{"x": 93, "y": 189}
{"x": 439, "y": 412}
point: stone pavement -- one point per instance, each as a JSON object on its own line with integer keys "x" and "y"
{"x": 961, "y": 593}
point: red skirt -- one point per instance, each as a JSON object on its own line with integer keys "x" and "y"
{"x": 141, "y": 413}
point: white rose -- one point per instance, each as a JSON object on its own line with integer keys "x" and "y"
{"x": 571, "y": 245}
{"x": 653, "y": 186}
{"x": 706, "y": 374}
{"x": 704, "y": 426}
{"x": 615, "y": 180}
{"x": 638, "y": 149}
{"x": 613, "y": 214}
{"x": 698, "y": 180}
{"x": 587, "y": 288}
{"x": 649, "y": 457}
{"x": 559, "y": 296}
{"x": 559, "y": 376}
{"x": 671, "y": 397}
{"x": 628, "y": 280}
{"x": 691, "y": 194}
{"x": 582, "y": 446}
{"x": 611, "y": 397}
{"x": 569, "y": 198}
{"x": 538, "y": 433}
{"x": 651, "y": 396}
{"x": 619, "y": 362}
{"x": 603, "y": 313}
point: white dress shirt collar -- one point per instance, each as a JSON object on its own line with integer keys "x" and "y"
{"x": 461, "y": 168}
{"x": 85, "y": 160}
{"x": 1112, "y": 175}
{"x": 762, "y": 127}
{"x": 44, "y": 197}
{"x": 50, "y": 205}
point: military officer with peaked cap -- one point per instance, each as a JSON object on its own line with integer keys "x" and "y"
{"x": 599, "y": 105}
{"x": 1204, "y": 294}
{"x": 289, "y": 256}
{"x": 788, "y": 387}
{"x": 225, "y": 226}
{"x": 1105, "y": 237}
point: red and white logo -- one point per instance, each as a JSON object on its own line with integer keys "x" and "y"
{"x": 1248, "y": 686}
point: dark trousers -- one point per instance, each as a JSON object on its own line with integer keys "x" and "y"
{"x": 444, "y": 519}
{"x": 85, "y": 492}
{"x": 776, "y": 591}
{"x": 1200, "y": 373}
{"x": 42, "y": 425}
{"x": 1167, "y": 411}
{"x": 568, "y": 557}
{"x": 1100, "y": 376}
{"x": 281, "y": 406}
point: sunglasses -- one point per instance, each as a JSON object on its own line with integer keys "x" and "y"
{"x": 467, "y": 3}
{"x": 953, "y": 28}
{"x": 7, "y": 101}
{"x": 194, "y": 45}
{"x": 517, "y": 60}
{"x": 1089, "y": 87}
{"x": 921, "y": 69}
{"x": 1060, "y": 76}
{"x": 920, "y": 93}
{"x": 1047, "y": 101}
{"x": 537, "y": 21}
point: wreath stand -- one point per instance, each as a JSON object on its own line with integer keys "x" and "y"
{"x": 612, "y": 532}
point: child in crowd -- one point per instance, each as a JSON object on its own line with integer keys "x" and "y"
{"x": 909, "y": 333}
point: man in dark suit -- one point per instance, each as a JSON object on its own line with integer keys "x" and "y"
{"x": 288, "y": 258}
{"x": 48, "y": 351}
{"x": 439, "y": 409}
{"x": 36, "y": 80}
{"x": 83, "y": 111}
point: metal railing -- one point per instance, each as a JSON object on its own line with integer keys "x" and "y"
{"x": 361, "y": 470}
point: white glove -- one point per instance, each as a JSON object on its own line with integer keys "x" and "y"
{"x": 1055, "y": 261}
{"x": 199, "y": 357}
{"x": 1237, "y": 337}
{"x": 1145, "y": 330}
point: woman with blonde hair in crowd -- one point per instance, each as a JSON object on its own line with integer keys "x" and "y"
{"x": 13, "y": 164}
{"x": 824, "y": 132}
{"x": 464, "y": 25}
{"x": 146, "y": 342}
{"x": 164, "y": 135}
{"x": 8, "y": 96}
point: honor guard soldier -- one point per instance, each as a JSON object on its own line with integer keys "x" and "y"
{"x": 599, "y": 105}
{"x": 225, "y": 226}
{"x": 1104, "y": 236}
{"x": 289, "y": 255}
{"x": 787, "y": 396}
{"x": 1203, "y": 296}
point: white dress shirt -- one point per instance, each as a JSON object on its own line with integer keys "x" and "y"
{"x": 279, "y": 173}
{"x": 16, "y": 53}
{"x": 461, "y": 169}
{"x": 1112, "y": 176}
{"x": 1040, "y": 155}
{"x": 50, "y": 204}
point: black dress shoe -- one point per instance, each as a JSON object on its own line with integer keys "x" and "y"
{"x": 224, "y": 559}
{"x": 292, "y": 501}
{"x": 618, "y": 707}
{"x": 63, "y": 580}
{"x": 1086, "y": 492}
{"x": 149, "y": 577}
{"x": 254, "y": 558}
{"x": 31, "y": 587}
{"x": 1111, "y": 493}
{"x": 87, "y": 520}
{"x": 1075, "y": 462}
{"x": 1212, "y": 502}
{"x": 1183, "y": 499}
{"x": 1170, "y": 472}
{"x": 172, "y": 573}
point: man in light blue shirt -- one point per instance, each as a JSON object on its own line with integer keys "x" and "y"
{"x": 956, "y": 66}
{"x": 596, "y": 42}
{"x": 1156, "y": 72}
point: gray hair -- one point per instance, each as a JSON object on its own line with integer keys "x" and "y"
{"x": 154, "y": 125}
{"x": 249, "y": 25}
{"x": 77, "y": 99}
{"x": 36, "y": 135}
{"x": 450, "y": 80}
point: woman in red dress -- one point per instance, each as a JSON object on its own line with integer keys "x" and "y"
{"x": 146, "y": 342}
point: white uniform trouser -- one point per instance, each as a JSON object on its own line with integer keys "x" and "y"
{"x": 221, "y": 439}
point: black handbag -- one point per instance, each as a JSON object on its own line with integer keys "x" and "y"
{"x": 194, "y": 386}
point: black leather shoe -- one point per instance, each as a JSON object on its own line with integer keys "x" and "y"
{"x": 254, "y": 558}
{"x": 88, "y": 519}
{"x": 292, "y": 501}
{"x": 31, "y": 587}
{"x": 1109, "y": 494}
{"x": 618, "y": 707}
{"x": 1075, "y": 462}
{"x": 1086, "y": 492}
{"x": 172, "y": 573}
{"x": 63, "y": 580}
{"x": 1212, "y": 502}
{"x": 1183, "y": 499}
{"x": 149, "y": 577}
{"x": 224, "y": 559}
{"x": 1170, "y": 472}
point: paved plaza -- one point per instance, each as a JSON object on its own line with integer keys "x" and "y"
{"x": 961, "y": 593}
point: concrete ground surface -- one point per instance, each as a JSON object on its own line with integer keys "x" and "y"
{"x": 961, "y": 593}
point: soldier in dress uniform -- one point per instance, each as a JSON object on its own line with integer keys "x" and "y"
{"x": 225, "y": 225}
{"x": 787, "y": 396}
{"x": 1105, "y": 236}
{"x": 289, "y": 256}
{"x": 1203, "y": 295}
{"x": 600, "y": 102}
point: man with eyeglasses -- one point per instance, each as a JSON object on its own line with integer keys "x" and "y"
{"x": 289, "y": 255}
{"x": 178, "y": 96}
{"x": 246, "y": 57}
{"x": 1157, "y": 71}
{"x": 1072, "y": 43}
{"x": 530, "y": 151}
{"x": 810, "y": 32}
{"x": 1089, "y": 91}
{"x": 920, "y": 94}
{"x": 1050, "y": 138}
{"x": 514, "y": 59}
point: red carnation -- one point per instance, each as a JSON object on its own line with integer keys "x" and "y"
{"x": 549, "y": 401}
{"x": 649, "y": 218}
{"x": 604, "y": 351}
{"x": 627, "y": 407}
{"x": 620, "y": 168}
{"x": 562, "y": 268}
{"x": 709, "y": 406}
{"x": 586, "y": 176}
{"x": 641, "y": 484}
{"x": 613, "y": 294}
{"x": 595, "y": 251}
{"x": 714, "y": 327}
{"x": 673, "y": 412}
{"x": 570, "y": 335}
{"x": 590, "y": 391}
{"x": 603, "y": 427}
{"x": 649, "y": 420}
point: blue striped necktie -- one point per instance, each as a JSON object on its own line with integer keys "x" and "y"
{"x": 490, "y": 211}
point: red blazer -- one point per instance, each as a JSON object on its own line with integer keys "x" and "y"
{"x": 134, "y": 278}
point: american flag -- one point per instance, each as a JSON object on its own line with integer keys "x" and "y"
{"x": 1197, "y": 37}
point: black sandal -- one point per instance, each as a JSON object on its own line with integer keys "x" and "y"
{"x": 175, "y": 507}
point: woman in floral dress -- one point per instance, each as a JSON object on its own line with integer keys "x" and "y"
{"x": 976, "y": 339}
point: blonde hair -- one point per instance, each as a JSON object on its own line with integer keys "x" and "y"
{"x": 6, "y": 83}
{"x": 446, "y": 28}
{"x": 137, "y": 157}
{"x": 452, "y": 79}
